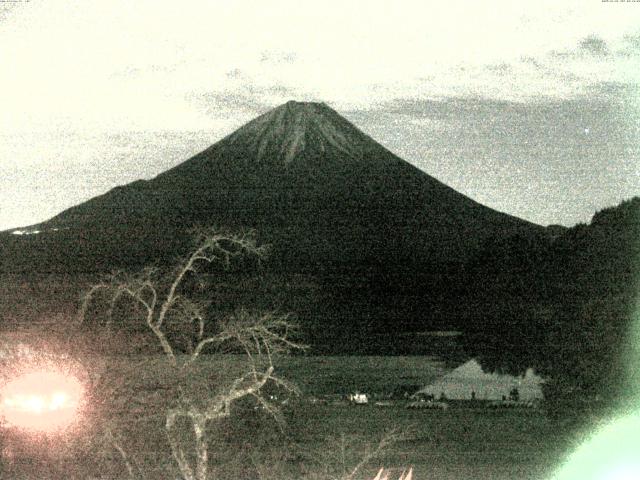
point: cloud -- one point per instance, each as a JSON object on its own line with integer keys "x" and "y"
{"x": 218, "y": 104}
{"x": 10, "y": 8}
{"x": 631, "y": 44}
{"x": 107, "y": 64}
{"x": 248, "y": 99}
{"x": 599, "y": 107}
{"x": 278, "y": 57}
{"x": 590, "y": 46}
{"x": 595, "y": 48}
{"x": 558, "y": 159}
{"x": 550, "y": 74}
{"x": 500, "y": 68}
{"x": 241, "y": 94}
{"x": 594, "y": 45}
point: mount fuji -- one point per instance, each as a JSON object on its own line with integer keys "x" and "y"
{"x": 323, "y": 193}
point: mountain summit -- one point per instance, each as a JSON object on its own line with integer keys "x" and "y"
{"x": 297, "y": 136}
{"x": 295, "y": 127}
{"x": 321, "y": 191}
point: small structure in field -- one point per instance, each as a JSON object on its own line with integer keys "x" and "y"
{"x": 359, "y": 398}
{"x": 423, "y": 396}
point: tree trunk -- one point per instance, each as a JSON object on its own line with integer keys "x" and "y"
{"x": 176, "y": 450}
{"x": 202, "y": 449}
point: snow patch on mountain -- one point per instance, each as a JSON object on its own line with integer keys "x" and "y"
{"x": 289, "y": 129}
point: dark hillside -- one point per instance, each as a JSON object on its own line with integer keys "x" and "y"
{"x": 567, "y": 307}
{"x": 383, "y": 245}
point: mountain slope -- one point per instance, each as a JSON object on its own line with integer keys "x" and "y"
{"x": 322, "y": 192}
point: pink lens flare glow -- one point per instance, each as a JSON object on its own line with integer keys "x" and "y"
{"x": 41, "y": 401}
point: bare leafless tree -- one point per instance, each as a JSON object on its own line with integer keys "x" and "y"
{"x": 158, "y": 297}
{"x": 345, "y": 457}
{"x": 370, "y": 453}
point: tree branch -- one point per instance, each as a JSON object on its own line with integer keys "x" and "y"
{"x": 122, "y": 453}
{"x": 86, "y": 300}
{"x": 176, "y": 450}
{"x": 392, "y": 437}
{"x": 260, "y": 335}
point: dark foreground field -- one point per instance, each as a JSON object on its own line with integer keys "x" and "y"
{"x": 324, "y": 436}
{"x": 456, "y": 444}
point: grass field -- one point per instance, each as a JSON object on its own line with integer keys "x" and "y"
{"x": 333, "y": 375}
{"x": 460, "y": 443}
{"x": 457, "y": 444}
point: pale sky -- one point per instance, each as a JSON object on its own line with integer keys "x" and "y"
{"x": 531, "y": 108}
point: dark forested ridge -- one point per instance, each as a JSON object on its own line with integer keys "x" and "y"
{"x": 565, "y": 305}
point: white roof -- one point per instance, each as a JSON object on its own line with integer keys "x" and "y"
{"x": 469, "y": 377}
